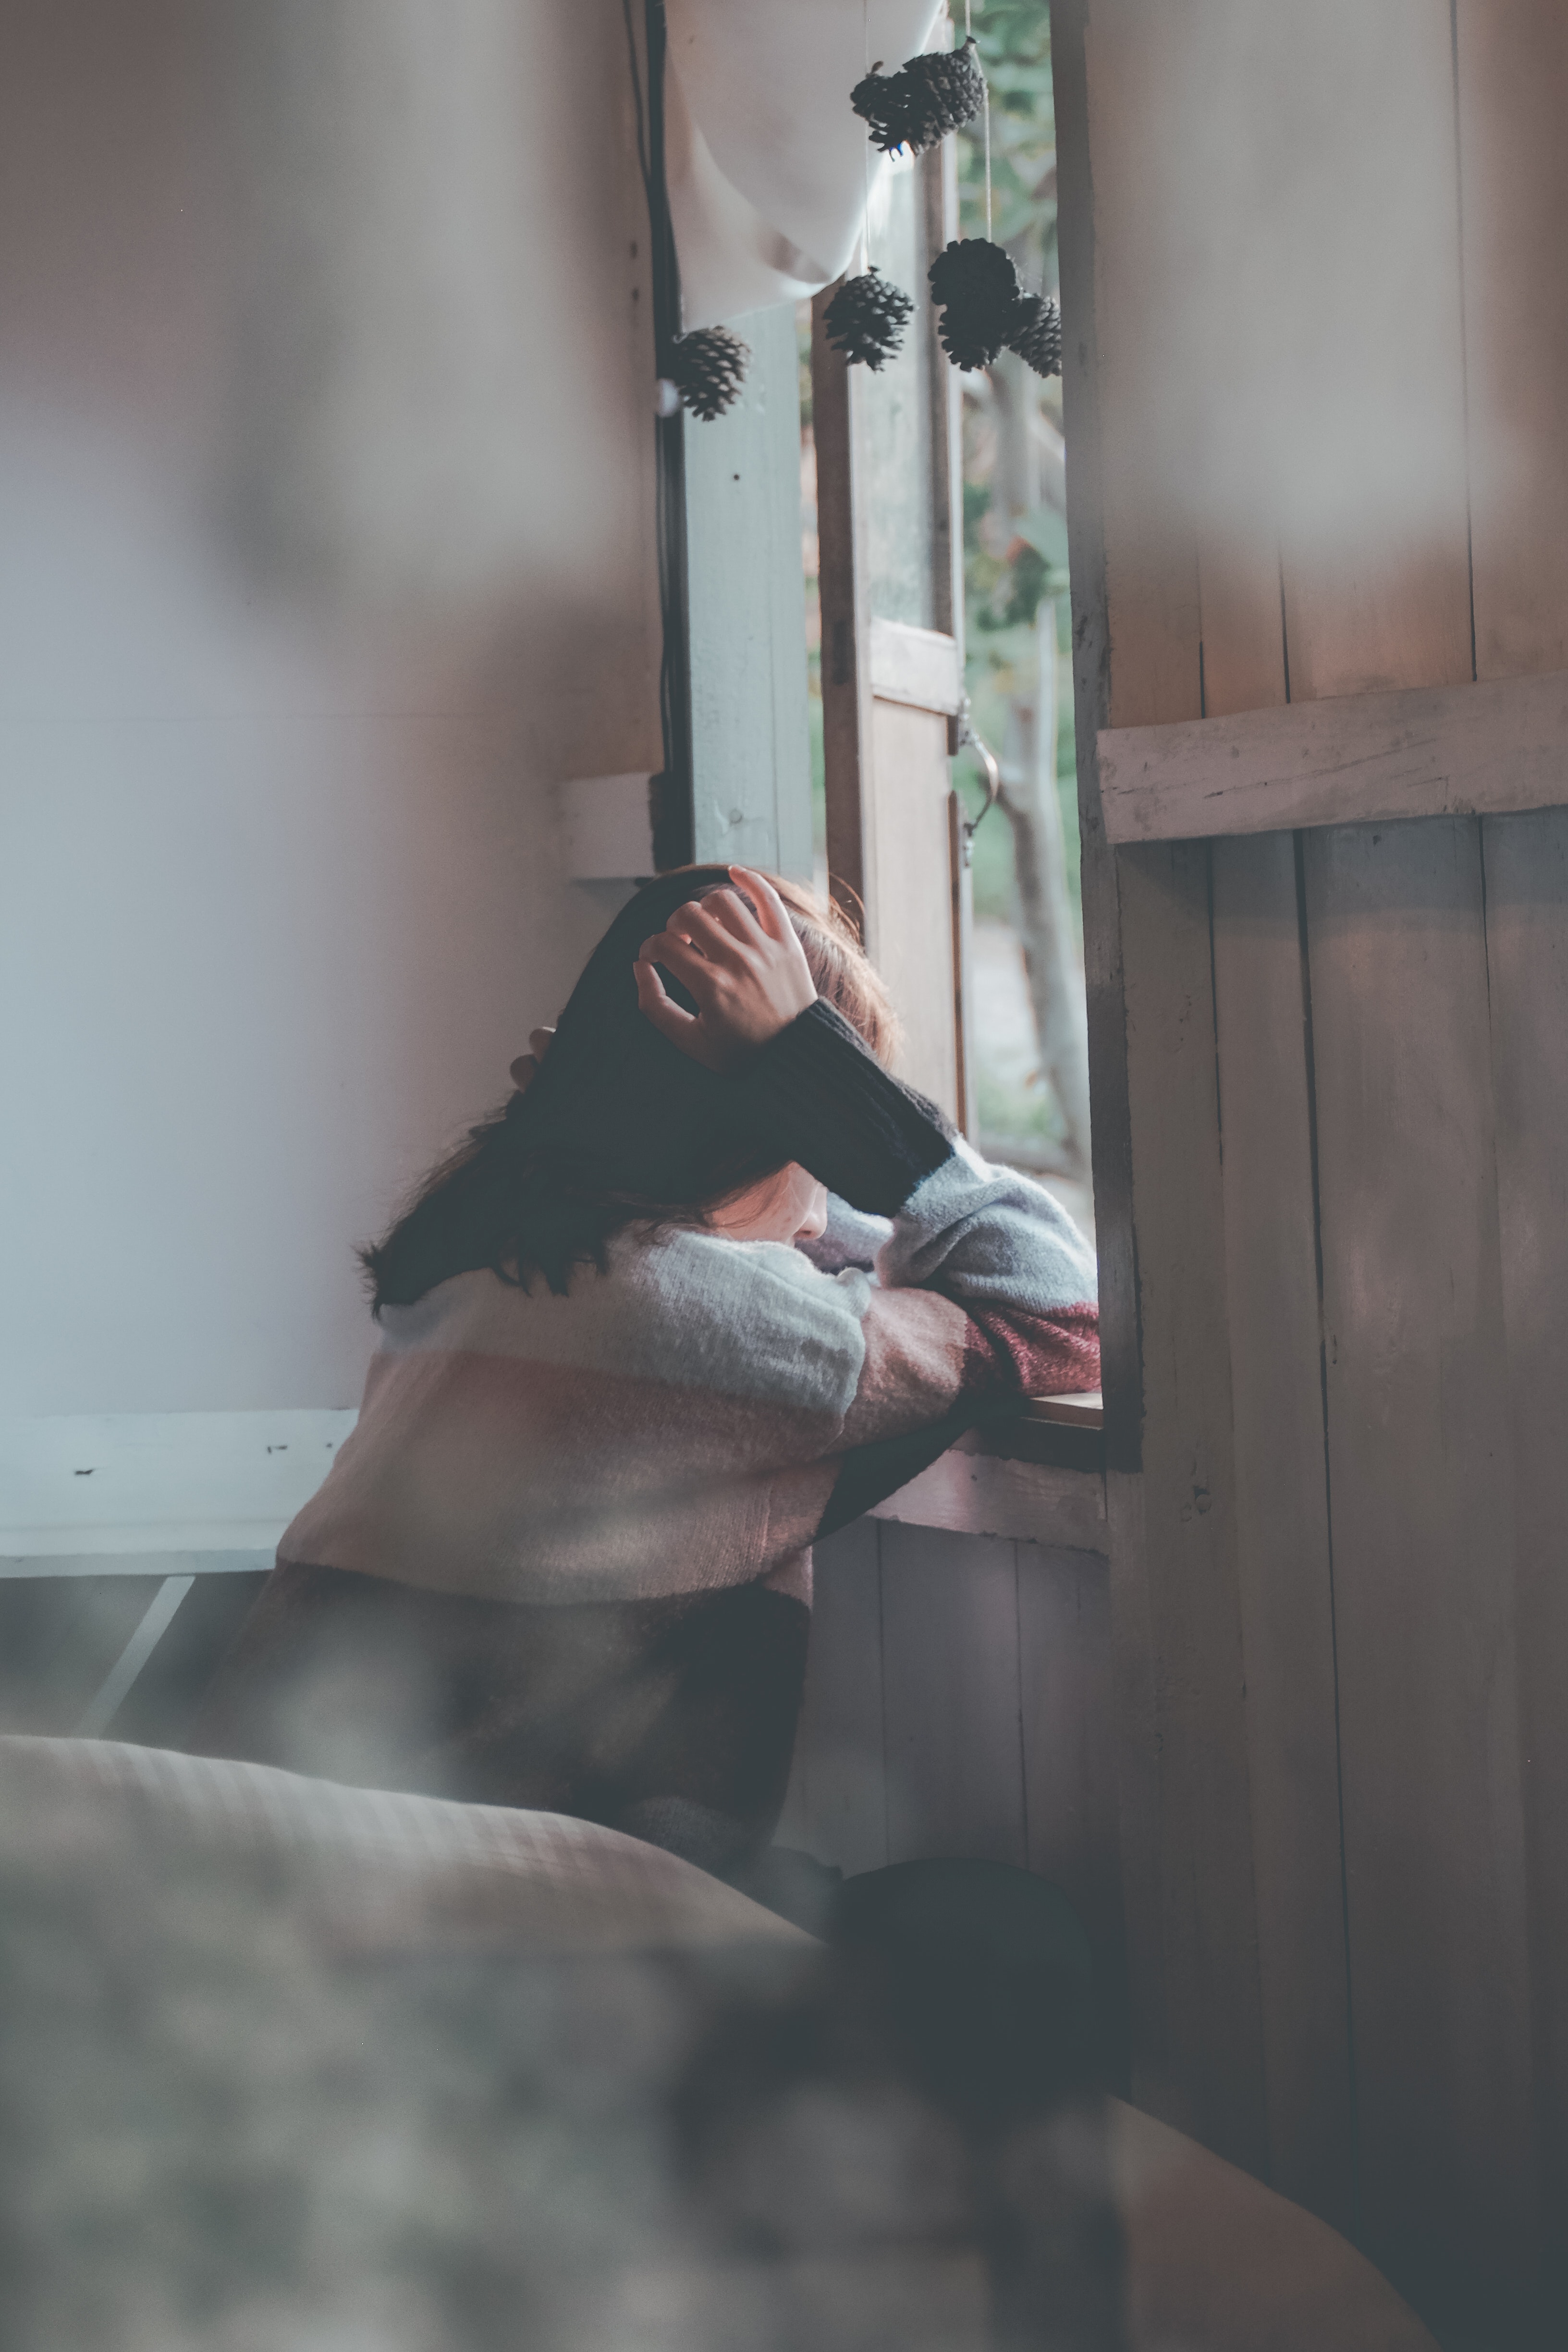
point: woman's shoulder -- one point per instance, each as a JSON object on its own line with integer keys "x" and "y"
{"x": 678, "y": 1307}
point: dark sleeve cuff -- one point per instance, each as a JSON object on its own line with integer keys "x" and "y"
{"x": 819, "y": 1096}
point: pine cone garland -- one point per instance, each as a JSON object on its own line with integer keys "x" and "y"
{"x": 927, "y": 98}
{"x": 866, "y": 318}
{"x": 1036, "y": 336}
{"x": 975, "y": 285}
{"x": 708, "y": 368}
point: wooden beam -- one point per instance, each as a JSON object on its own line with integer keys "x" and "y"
{"x": 921, "y": 667}
{"x": 1491, "y": 748}
{"x": 981, "y": 1495}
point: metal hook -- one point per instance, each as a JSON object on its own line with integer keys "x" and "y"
{"x": 987, "y": 758}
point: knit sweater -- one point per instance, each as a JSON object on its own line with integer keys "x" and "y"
{"x": 693, "y": 1412}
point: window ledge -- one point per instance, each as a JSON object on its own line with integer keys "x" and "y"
{"x": 1037, "y": 1478}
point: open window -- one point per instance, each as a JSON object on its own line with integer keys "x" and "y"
{"x": 949, "y": 829}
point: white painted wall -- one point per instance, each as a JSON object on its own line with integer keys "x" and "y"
{"x": 325, "y": 547}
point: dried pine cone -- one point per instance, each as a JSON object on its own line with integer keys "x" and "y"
{"x": 708, "y": 368}
{"x": 1036, "y": 336}
{"x": 943, "y": 90}
{"x": 879, "y": 100}
{"x": 915, "y": 107}
{"x": 866, "y": 318}
{"x": 976, "y": 287}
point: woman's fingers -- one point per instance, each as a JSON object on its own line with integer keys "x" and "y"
{"x": 660, "y": 1007}
{"x": 773, "y": 915}
{"x": 727, "y": 906}
{"x": 680, "y": 956}
{"x": 704, "y": 925}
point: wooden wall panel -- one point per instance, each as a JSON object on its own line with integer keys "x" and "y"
{"x": 1282, "y": 1520}
{"x": 1527, "y": 969}
{"x": 1068, "y": 1736}
{"x": 950, "y": 1695}
{"x": 1182, "y": 1764}
{"x": 916, "y": 1736}
{"x": 1284, "y": 1564}
{"x": 1352, "y": 1203}
{"x": 1513, "y": 60}
{"x": 1281, "y": 1507}
{"x": 1421, "y": 1492}
{"x": 1174, "y": 1575}
{"x": 836, "y": 1805}
{"x": 1423, "y": 1535}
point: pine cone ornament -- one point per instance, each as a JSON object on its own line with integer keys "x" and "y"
{"x": 927, "y": 98}
{"x": 975, "y": 285}
{"x": 866, "y": 318}
{"x": 708, "y": 368}
{"x": 878, "y": 100}
{"x": 1037, "y": 335}
{"x": 943, "y": 90}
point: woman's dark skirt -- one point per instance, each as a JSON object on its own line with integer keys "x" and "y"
{"x": 672, "y": 1719}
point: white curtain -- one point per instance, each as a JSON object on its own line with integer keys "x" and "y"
{"x": 765, "y": 160}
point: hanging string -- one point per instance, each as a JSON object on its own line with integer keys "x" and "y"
{"x": 968, "y": 35}
{"x": 985, "y": 114}
{"x": 866, "y": 149}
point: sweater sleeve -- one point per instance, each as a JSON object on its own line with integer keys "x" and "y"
{"x": 821, "y": 1097}
{"x": 982, "y": 1289}
{"x": 982, "y": 1294}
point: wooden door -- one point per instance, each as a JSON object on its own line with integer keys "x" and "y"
{"x": 892, "y": 652}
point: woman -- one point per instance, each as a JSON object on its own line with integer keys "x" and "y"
{"x": 641, "y": 1340}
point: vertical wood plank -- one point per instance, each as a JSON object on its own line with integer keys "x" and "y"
{"x": 1182, "y": 1762}
{"x": 1512, "y": 60}
{"x": 1423, "y": 1535}
{"x": 908, "y": 852}
{"x": 846, "y": 666}
{"x": 1421, "y": 1504}
{"x": 1377, "y": 568}
{"x": 1282, "y": 1520}
{"x": 950, "y": 1650}
{"x": 1281, "y": 1491}
{"x": 1069, "y": 1736}
{"x": 750, "y": 761}
{"x": 1527, "y": 964}
{"x": 837, "y": 1804}
{"x": 1241, "y": 609}
{"x": 1513, "y": 93}
{"x": 1175, "y": 1576}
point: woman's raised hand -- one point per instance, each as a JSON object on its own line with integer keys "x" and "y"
{"x": 747, "y": 971}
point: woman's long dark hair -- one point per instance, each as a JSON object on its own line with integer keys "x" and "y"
{"x": 618, "y": 1124}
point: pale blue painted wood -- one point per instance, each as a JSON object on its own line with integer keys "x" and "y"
{"x": 750, "y": 753}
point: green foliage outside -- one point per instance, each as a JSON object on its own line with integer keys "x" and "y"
{"x": 1014, "y": 37}
{"x": 1002, "y": 591}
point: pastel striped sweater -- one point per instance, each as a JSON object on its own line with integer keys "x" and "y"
{"x": 677, "y": 1428}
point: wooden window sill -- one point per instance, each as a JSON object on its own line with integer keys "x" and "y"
{"x": 1039, "y": 1478}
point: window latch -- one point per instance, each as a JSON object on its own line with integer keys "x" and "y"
{"x": 966, "y": 734}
